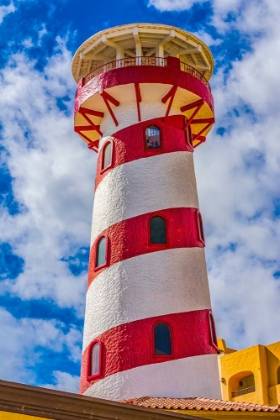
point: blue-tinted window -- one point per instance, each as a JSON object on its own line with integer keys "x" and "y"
{"x": 153, "y": 138}
{"x": 162, "y": 340}
{"x": 101, "y": 252}
{"x": 157, "y": 230}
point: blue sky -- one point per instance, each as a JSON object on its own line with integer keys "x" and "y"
{"x": 47, "y": 175}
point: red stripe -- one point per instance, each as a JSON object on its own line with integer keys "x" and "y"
{"x": 130, "y": 345}
{"x": 130, "y": 237}
{"x": 142, "y": 74}
{"x": 129, "y": 143}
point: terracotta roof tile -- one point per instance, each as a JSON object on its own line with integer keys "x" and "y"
{"x": 197, "y": 403}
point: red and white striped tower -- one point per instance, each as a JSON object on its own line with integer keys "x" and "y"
{"x": 144, "y": 103}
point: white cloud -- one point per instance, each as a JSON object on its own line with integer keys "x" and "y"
{"x": 19, "y": 340}
{"x": 65, "y": 381}
{"x": 251, "y": 16}
{"x": 207, "y": 38}
{"x": 173, "y": 5}
{"x": 238, "y": 180}
{"x": 41, "y": 33}
{"x": 221, "y": 6}
{"x": 27, "y": 43}
{"x": 53, "y": 175}
{"x": 6, "y": 10}
{"x": 248, "y": 17}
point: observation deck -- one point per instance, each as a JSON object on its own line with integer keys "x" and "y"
{"x": 164, "y": 70}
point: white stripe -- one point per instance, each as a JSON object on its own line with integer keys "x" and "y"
{"x": 165, "y": 282}
{"x": 143, "y": 186}
{"x": 196, "y": 376}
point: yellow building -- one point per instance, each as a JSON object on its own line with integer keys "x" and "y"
{"x": 251, "y": 374}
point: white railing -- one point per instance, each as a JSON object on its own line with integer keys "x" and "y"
{"x": 144, "y": 61}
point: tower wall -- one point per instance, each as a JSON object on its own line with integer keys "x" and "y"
{"x": 141, "y": 284}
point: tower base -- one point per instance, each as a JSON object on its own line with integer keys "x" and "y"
{"x": 161, "y": 380}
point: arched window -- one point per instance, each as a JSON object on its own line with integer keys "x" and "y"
{"x": 188, "y": 135}
{"x": 101, "y": 251}
{"x": 94, "y": 365}
{"x": 162, "y": 340}
{"x": 107, "y": 155}
{"x": 200, "y": 228}
{"x": 153, "y": 137}
{"x": 157, "y": 230}
{"x": 213, "y": 331}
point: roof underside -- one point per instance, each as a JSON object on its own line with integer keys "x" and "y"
{"x": 141, "y": 40}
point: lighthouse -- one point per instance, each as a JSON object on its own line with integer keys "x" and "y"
{"x": 143, "y": 104}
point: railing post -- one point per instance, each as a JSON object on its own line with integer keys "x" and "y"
{"x": 119, "y": 58}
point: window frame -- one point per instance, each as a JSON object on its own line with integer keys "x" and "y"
{"x": 105, "y": 264}
{"x": 89, "y": 360}
{"x": 171, "y": 355}
{"x": 102, "y": 169}
{"x": 160, "y": 149}
{"x": 200, "y": 229}
{"x": 166, "y": 231}
{"x": 213, "y": 333}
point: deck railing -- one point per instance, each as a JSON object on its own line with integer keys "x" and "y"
{"x": 194, "y": 72}
{"x": 243, "y": 391}
{"x": 144, "y": 61}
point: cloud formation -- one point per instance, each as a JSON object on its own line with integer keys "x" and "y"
{"x": 173, "y": 5}
{"x": 51, "y": 180}
{"x": 6, "y": 10}
{"x": 238, "y": 173}
{"x": 27, "y": 346}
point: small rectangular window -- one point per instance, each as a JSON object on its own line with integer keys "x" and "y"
{"x": 94, "y": 361}
{"x": 157, "y": 230}
{"x": 162, "y": 340}
{"x": 107, "y": 156}
{"x": 153, "y": 137}
{"x": 101, "y": 252}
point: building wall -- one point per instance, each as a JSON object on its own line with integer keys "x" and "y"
{"x": 4, "y": 415}
{"x": 237, "y": 368}
{"x": 273, "y": 363}
{"x": 228, "y": 415}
